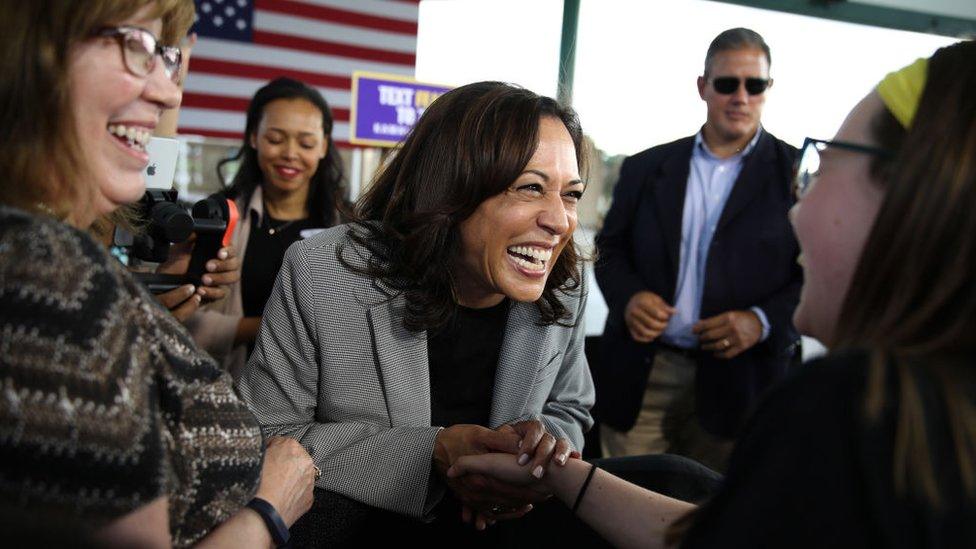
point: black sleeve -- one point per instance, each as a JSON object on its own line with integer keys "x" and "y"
{"x": 779, "y": 306}
{"x": 792, "y": 480}
{"x": 615, "y": 271}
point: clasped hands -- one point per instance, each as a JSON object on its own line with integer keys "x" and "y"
{"x": 484, "y": 498}
{"x": 726, "y": 335}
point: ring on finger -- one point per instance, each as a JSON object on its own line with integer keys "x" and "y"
{"x": 726, "y": 343}
{"x": 318, "y": 472}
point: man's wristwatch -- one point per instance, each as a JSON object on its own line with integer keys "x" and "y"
{"x": 276, "y": 526}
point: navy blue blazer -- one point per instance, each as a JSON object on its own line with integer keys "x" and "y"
{"x": 752, "y": 262}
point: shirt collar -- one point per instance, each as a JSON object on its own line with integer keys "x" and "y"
{"x": 702, "y": 148}
{"x": 256, "y": 204}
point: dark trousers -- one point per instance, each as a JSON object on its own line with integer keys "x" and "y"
{"x": 337, "y": 521}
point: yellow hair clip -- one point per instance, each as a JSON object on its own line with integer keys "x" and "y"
{"x": 901, "y": 91}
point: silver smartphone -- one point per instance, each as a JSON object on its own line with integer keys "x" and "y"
{"x": 161, "y": 168}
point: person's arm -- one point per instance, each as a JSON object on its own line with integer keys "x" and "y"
{"x": 286, "y": 483}
{"x": 798, "y": 472}
{"x": 372, "y": 462}
{"x": 247, "y": 330}
{"x": 566, "y": 413}
{"x": 148, "y": 528}
{"x": 779, "y": 306}
{"x": 615, "y": 271}
{"x": 625, "y": 514}
{"x": 733, "y": 332}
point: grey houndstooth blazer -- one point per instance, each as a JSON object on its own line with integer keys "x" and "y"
{"x": 335, "y": 368}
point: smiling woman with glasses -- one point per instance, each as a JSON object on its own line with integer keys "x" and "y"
{"x": 140, "y": 48}
{"x": 115, "y": 429}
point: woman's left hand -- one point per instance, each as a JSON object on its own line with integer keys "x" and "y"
{"x": 538, "y": 448}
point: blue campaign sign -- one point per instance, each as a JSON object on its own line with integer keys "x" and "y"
{"x": 385, "y": 107}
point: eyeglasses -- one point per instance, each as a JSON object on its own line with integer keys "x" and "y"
{"x": 726, "y": 85}
{"x": 140, "y": 48}
{"x": 808, "y": 165}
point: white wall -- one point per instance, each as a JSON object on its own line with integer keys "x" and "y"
{"x": 464, "y": 41}
{"x": 638, "y": 88}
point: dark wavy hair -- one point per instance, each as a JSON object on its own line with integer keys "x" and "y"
{"x": 469, "y": 145}
{"x": 326, "y": 193}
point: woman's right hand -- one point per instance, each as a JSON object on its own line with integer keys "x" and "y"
{"x": 287, "y": 478}
{"x": 181, "y": 302}
{"x": 500, "y": 466}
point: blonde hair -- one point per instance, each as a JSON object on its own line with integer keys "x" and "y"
{"x": 40, "y": 153}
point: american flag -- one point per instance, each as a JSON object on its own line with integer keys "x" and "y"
{"x": 245, "y": 43}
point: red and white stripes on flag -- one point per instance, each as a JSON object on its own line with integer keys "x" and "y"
{"x": 321, "y": 42}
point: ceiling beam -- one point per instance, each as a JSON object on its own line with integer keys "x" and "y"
{"x": 869, "y": 14}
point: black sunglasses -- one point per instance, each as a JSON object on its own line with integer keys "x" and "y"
{"x": 808, "y": 162}
{"x": 140, "y": 48}
{"x": 726, "y": 85}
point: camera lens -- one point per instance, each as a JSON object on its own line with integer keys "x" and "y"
{"x": 173, "y": 222}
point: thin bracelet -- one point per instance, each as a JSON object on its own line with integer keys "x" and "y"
{"x": 582, "y": 491}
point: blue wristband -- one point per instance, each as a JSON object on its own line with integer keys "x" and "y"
{"x": 276, "y": 526}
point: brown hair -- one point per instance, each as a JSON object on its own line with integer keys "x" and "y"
{"x": 739, "y": 38}
{"x": 912, "y": 300}
{"x": 40, "y": 154}
{"x": 469, "y": 145}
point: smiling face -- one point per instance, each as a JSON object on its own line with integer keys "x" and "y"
{"x": 115, "y": 113}
{"x": 734, "y": 116}
{"x": 512, "y": 240}
{"x": 290, "y": 142}
{"x": 832, "y": 222}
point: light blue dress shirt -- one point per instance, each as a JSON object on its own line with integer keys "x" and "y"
{"x": 710, "y": 182}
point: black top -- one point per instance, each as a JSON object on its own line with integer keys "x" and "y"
{"x": 266, "y": 246}
{"x": 810, "y": 471}
{"x": 463, "y": 358}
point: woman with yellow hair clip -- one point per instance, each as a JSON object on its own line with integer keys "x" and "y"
{"x": 875, "y": 444}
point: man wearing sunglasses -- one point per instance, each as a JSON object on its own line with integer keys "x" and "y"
{"x": 698, "y": 267}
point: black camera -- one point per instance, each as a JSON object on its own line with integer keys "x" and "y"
{"x": 162, "y": 221}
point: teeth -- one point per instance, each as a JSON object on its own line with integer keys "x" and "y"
{"x": 530, "y": 266}
{"x": 136, "y": 137}
{"x": 542, "y": 255}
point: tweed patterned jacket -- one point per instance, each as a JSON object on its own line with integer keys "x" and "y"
{"x": 335, "y": 368}
{"x": 105, "y": 402}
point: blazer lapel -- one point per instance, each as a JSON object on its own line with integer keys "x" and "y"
{"x": 403, "y": 366}
{"x": 525, "y": 349}
{"x": 669, "y": 197}
{"x": 750, "y": 181}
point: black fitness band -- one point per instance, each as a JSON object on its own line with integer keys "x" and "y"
{"x": 276, "y": 526}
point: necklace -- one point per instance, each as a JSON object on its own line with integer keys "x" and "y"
{"x": 274, "y": 229}
{"x": 281, "y": 227}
